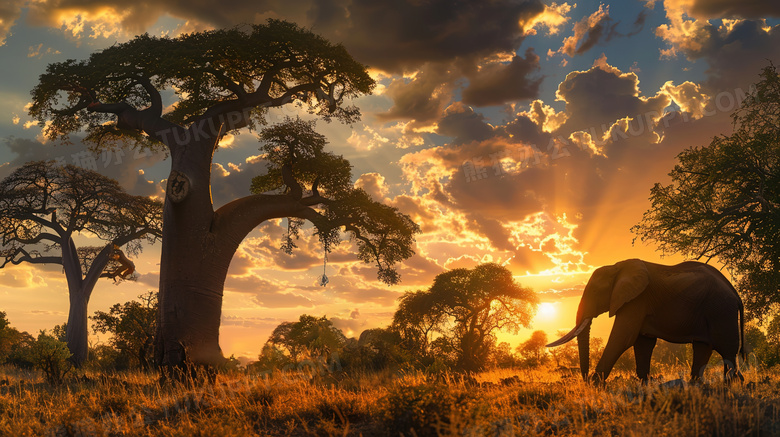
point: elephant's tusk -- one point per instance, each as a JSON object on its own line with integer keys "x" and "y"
{"x": 574, "y": 332}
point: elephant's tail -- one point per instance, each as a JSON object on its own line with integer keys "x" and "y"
{"x": 742, "y": 346}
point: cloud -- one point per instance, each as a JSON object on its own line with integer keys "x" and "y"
{"x": 597, "y": 28}
{"x": 588, "y": 32}
{"x": 403, "y": 35}
{"x": 20, "y": 277}
{"x": 422, "y": 98}
{"x": 374, "y": 184}
{"x": 735, "y": 50}
{"x": 598, "y": 97}
{"x": 734, "y": 8}
{"x": 120, "y": 164}
{"x": 460, "y": 122}
{"x": 10, "y": 11}
{"x": 553, "y": 18}
{"x": 498, "y": 83}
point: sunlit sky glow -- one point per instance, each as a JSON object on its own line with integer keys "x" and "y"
{"x": 523, "y": 133}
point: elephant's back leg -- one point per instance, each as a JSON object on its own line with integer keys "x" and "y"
{"x": 701, "y": 356}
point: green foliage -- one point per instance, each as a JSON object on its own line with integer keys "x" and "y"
{"x": 723, "y": 201}
{"x": 298, "y": 164}
{"x": 465, "y": 308}
{"x": 51, "y": 356}
{"x": 133, "y": 326}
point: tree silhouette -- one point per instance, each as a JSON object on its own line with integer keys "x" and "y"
{"x": 723, "y": 200}
{"x": 534, "y": 349}
{"x": 44, "y": 206}
{"x": 309, "y": 337}
{"x": 470, "y": 307}
{"x": 225, "y": 80}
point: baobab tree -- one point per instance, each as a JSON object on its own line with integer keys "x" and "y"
{"x": 44, "y": 206}
{"x": 225, "y": 81}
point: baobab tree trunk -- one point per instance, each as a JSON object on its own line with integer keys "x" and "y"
{"x": 193, "y": 266}
{"x": 79, "y": 291}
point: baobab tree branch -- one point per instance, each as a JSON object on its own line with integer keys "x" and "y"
{"x": 29, "y": 258}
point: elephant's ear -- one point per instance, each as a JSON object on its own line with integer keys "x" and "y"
{"x": 631, "y": 281}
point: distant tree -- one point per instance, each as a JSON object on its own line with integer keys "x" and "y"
{"x": 45, "y": 206}
{"x": 417, "y": 322}
{"x": 309, "y": 337}
{"x": 225, "y": 81}
{"x": 565, "y": 355}
{"x": 380, "y": 348}
{"x": 470, "y": 307}
{"x": 724, "y": 200}
{"x": 503, "y": 357}
{"x": 132, "y": 326}
{"x": 12, "y": 342}
{"x": 534, "y": 350}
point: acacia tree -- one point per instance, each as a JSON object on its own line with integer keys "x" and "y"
{"x": 44, "y": 206}
{"x": 471, "y": 306}
{"x": 724, "y": 200}
{"x": 225, "y": 80}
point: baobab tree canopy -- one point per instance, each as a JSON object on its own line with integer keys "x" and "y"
{"x": 298, "y": 164}
{"x": 220, "y": 77}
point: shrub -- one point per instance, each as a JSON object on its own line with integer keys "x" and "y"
{"x": 52, "y": 357}
{"x": 428, "y": 410}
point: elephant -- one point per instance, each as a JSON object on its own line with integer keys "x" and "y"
{"x": 691, "y": 302}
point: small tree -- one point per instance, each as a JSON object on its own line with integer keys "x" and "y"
{"x": 52, "y": 357}
{"x": 470, "y": 307}
{"x": 44, "y": 206}
{"x": 132, "y": 326}
{"x": 534, "y": 350}
{"x": 724, "y": 200}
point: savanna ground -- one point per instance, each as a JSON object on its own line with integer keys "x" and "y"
{"x": 495, "y": 403}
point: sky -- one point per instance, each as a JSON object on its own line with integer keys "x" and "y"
{"x": 527, "y": 133}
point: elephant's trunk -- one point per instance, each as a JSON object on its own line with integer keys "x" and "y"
{"x": 583, "y": 342}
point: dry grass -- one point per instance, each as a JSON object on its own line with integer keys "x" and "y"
{"x": 499, "y": 403}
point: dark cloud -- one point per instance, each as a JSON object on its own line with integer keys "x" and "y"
{"x": 598, "y": 97}
{"x": 400, "y": 35}
{"x": 10, "y": 11}
{"x": 232, "y": 181}
{"x": 423, "y": 98}
{"x": 499, "y": 83}
{"x": 735, "y": 8}
{"x": 388, "y": 34}
{"x": 125, "y": 165}
{"x": 463, "y": 124}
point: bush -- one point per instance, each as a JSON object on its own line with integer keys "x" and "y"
{"x": 428, "y": 410}
{"x": 52, "y": 357}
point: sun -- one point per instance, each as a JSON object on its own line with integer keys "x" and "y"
{"x": 546, "y": 311}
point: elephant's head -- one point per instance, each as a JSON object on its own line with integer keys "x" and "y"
{"x": 608, "y": 289}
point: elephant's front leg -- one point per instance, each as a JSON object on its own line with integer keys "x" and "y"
{"x": 643, "y": 352}
{"x": 624, "y": 334}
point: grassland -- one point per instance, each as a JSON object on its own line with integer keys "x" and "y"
{"x": 497, "y": 403}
